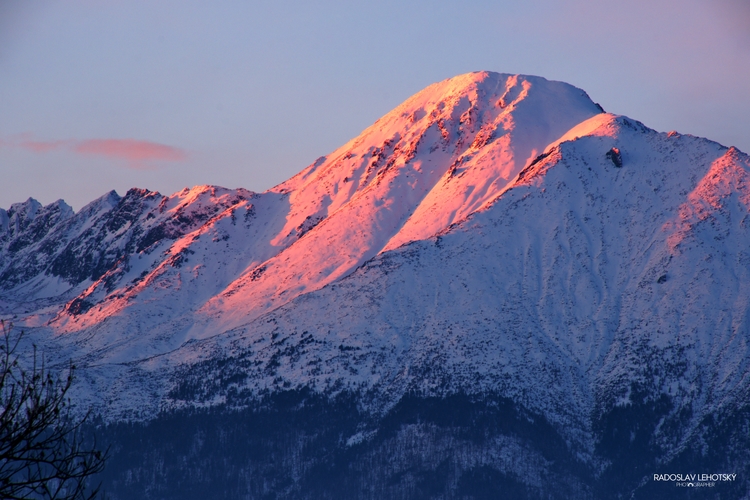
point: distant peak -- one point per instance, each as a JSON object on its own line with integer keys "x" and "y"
{"x": 26, "y": 209}
{"x": 141, "y": 193}
{"x": 65, "y": 209}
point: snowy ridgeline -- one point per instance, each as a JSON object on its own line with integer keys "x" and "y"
{"x": 493, "y": 234}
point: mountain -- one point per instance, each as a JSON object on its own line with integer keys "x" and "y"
{"x": 496, "y": 289}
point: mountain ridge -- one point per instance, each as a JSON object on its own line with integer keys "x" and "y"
{"x": 494, "y": 236}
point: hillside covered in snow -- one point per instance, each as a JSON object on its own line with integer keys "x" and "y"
{"x": 495, "y": 249}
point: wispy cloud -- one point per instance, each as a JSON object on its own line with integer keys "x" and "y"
{"x": 130, "y": 149}
{"x": 136, "y": 153}
{"x": 42, "y": 146}
{"x": 28, "y": 142}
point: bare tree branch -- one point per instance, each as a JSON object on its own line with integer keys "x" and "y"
{"x": 42, "y": 449}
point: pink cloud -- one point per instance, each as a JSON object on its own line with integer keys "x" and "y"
{"x": 28, "y": 142}
{"x": 41, "y": 146}
{"x": 130, "y": 149}
{"x": 137, "y": 153}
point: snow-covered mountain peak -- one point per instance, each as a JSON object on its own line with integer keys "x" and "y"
{"x": 445, "y": 150}
{"x": 441, "y": 155}
{"x": 207, "y": 260}
{"x": 20, "y": 216}
{"x": 429, "y": 163}
{"x": 495, "y": 236}
{"x": 466, "y": 112}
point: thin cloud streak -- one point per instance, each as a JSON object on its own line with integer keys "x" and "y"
{"x": 130, "y": 149}
{"x": 137, "y": 153}
{"x": 42, "y": 146}
{"x": 28, "y": 142}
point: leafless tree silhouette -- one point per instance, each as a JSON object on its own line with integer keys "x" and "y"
{"x": 43, "y": 453}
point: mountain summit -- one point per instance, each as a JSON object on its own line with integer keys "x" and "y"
{"x": 496, "y": 238}
{"x": 440, "y": 156}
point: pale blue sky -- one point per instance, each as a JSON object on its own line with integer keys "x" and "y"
{"x": 246, "y": 94}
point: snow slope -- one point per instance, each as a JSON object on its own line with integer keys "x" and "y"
{"x": 429, "y": 163}
{"x": 580, "y": 284}
{"x": 494, "y": 233}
